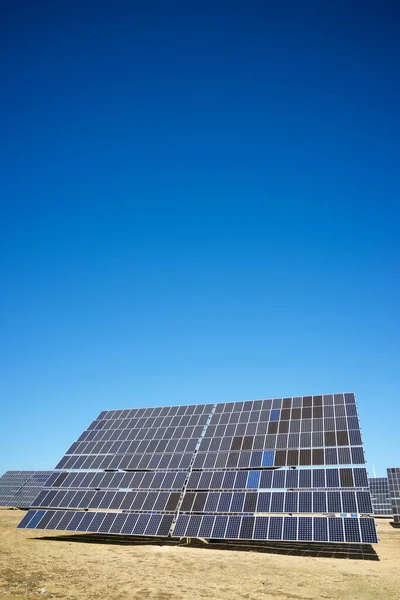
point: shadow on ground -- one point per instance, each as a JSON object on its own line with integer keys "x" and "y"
{"x": 328, "y": 550}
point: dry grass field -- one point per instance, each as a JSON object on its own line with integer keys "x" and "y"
{"x": 34, "y": 567}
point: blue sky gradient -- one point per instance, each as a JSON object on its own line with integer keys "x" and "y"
{"x": 199, "y": 203}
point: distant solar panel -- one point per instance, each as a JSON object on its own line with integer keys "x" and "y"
{"x": 380, "y": 495}
{"x": 10, "y": 483}
{"x": 20, "y": 488}
{"x": 394, "y": 489}
{"x": 239, "y": 470}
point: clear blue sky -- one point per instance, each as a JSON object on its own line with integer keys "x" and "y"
{"x": 199, "y": 203}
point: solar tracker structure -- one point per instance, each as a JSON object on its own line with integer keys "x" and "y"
{"x": 282, "y": 469}
{"x": 394, "y": 490}
{"x": 20, "y": 488}
{"x": 380, "y": 496}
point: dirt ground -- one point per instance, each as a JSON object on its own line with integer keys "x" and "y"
{"x": 34, "y": 567}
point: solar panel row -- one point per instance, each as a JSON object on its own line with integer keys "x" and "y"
{"x": 218, "y": 460}
{"x": 279, "y": 458}
{"x": 224, "y": 414}
{"x": 394, "y": 489}
{"x": 280, "y": 478}
{"x": 243, "y": 406}
{"x": 117, "y": 500}
{"x": 158, "y": 411}
{"x": 169, "y": 480}
{"x": 274, "y": 502}
{"x": 233, "y": 440}
{"x": 309, "y": 529}
{"x": 273, "y": 439}
{"x": 93, "y": 441}
{"x": 263, "y": 422}
{"x": 380, "y": 496}
{"x": 235, "y": 423}
{"x": 15, "y": 478}
{"x": 151, "y": 427}
{"x": 295, "y": 402}
{"x": 168, "y": 445}
{"x": 127, "y": 461}
{"x": 277, "y": 502}
{"x": 99, "y": 522}
{"x": 305, "y": 529}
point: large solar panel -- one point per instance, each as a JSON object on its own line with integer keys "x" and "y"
{"x": 20, "y": 488}
{"x": 380, "y": 495}
{"x": 283, "y": 469}
{"x": 394, "y": 490}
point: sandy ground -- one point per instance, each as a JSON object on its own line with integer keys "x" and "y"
{"x": 34, "y": 567}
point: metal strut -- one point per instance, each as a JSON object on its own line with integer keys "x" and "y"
{"x": 190, "y": 469}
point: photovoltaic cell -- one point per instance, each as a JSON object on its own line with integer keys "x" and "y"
{"x": 181, "y": 525}
{"x": 334, "y": 502}
{"x": 305, "y": 528}
{"x": 335, "y": 528}
{"x": 206, "y": 526}
{"x": 246, "y": 528}
{"x": 290, "y": 528}
{"x": 352, "y": 530}
{"x": 219, "y": 527}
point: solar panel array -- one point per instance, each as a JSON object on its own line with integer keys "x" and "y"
{"x": 20, "y": 488}
{"x": 380, "y": 495}
{"x": 233, "y": 470}
{"x": 394, "y": 490}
